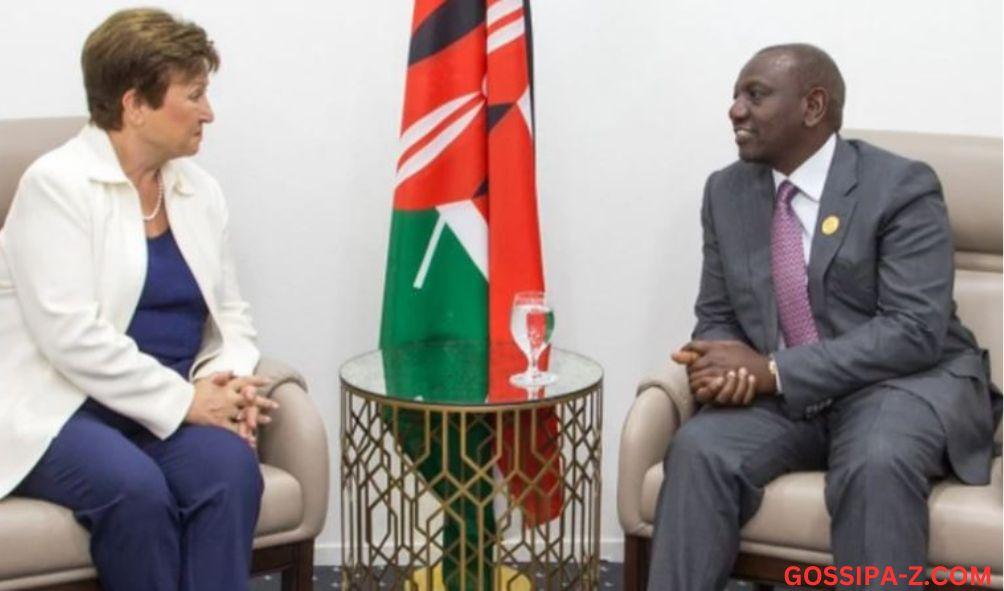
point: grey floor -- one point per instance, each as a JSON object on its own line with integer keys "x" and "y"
{"x": 327, "y": 578}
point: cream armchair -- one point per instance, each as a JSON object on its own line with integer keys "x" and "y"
{"x": 792, "y": 526}
{"x": 43, "y": 547}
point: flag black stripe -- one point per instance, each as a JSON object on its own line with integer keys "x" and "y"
{"x": 496, "y": 113}
{"x": 482, "y": 190}
{"x": 446, "y": 24}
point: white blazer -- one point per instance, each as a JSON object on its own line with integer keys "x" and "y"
{"x": 73, "y": 259}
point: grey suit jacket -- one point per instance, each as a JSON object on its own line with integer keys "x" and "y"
{"x": 880, "y": 289}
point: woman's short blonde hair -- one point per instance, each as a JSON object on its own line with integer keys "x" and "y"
{"x": 140, "y": 48}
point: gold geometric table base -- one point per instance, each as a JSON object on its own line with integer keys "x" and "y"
{"x": 505, "y": 578}
{"x": 469, "y": 487}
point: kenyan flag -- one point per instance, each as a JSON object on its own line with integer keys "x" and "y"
{"x": 464, "y": 234}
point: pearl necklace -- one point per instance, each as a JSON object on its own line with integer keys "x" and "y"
{"x": 160, "y": 201}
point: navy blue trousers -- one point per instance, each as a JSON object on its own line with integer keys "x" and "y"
{"x": 177, "y": 514}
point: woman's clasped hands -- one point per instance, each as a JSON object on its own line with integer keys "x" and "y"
{"x": 233, "y": 403}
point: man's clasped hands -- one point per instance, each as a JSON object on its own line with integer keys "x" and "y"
{"x": 725, "y": 373}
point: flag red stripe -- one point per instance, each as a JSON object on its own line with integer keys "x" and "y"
{"x": 454, "y": 175}
{"x": 529, "y": 448}
{"x": 510, "y": 86}
{"x": 455, "y": 71}
{"x": 514, "y": 235}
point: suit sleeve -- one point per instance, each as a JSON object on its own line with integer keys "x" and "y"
{"x": 239, "y": 352}
{"x": 915, "y": 274}
{"x": 716, "y": 318}
{"x": 47, "y": 246}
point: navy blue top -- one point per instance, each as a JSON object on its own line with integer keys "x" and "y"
{"x": 171, "y": 313}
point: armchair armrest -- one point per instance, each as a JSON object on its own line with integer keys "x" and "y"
{"x": 671, "y": 381}
{"x": 663, "y": 403}
{"x": 296, "y": 441}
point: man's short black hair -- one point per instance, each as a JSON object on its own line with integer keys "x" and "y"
{"x": 816, "y": 68}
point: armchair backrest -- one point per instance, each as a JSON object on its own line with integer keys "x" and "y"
{"x": 972, "y": 176}
{"x": 24, "y": 140}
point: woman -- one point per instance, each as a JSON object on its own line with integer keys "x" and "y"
{"x": 126, "y": 379}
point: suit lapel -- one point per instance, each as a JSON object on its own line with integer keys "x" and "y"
{"x": 835, "y": 208}
{"x": 757, "y": 212}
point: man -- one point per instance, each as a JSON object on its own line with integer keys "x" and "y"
{"x": 826, "y": 338}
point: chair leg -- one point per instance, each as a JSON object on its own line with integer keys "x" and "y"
{"x": 636, "y": 561}
{"x": 300, "y": 576}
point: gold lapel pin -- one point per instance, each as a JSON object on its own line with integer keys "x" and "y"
{"x": 830, "y": 225}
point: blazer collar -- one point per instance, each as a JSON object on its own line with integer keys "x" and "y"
{"x": 102, "y": 164}
{"x": 836, "y": 208}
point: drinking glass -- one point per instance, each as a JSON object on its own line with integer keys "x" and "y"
{"x": 531, "y": 323}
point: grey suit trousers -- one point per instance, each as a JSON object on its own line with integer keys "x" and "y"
{"x": 881, "y": 448}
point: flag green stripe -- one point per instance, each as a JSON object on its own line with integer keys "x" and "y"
{"x": 453, "y": 302}
{"x": 451, "y": 305}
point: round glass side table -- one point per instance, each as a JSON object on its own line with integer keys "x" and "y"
{"x": 451, "y": 478}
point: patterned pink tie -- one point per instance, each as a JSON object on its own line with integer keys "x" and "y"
{"x": 791, "y": 284}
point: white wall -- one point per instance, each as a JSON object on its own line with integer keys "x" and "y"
{"x": 631, "y": 102}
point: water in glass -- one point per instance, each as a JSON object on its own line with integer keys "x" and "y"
{"x": 531, "y": 324}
